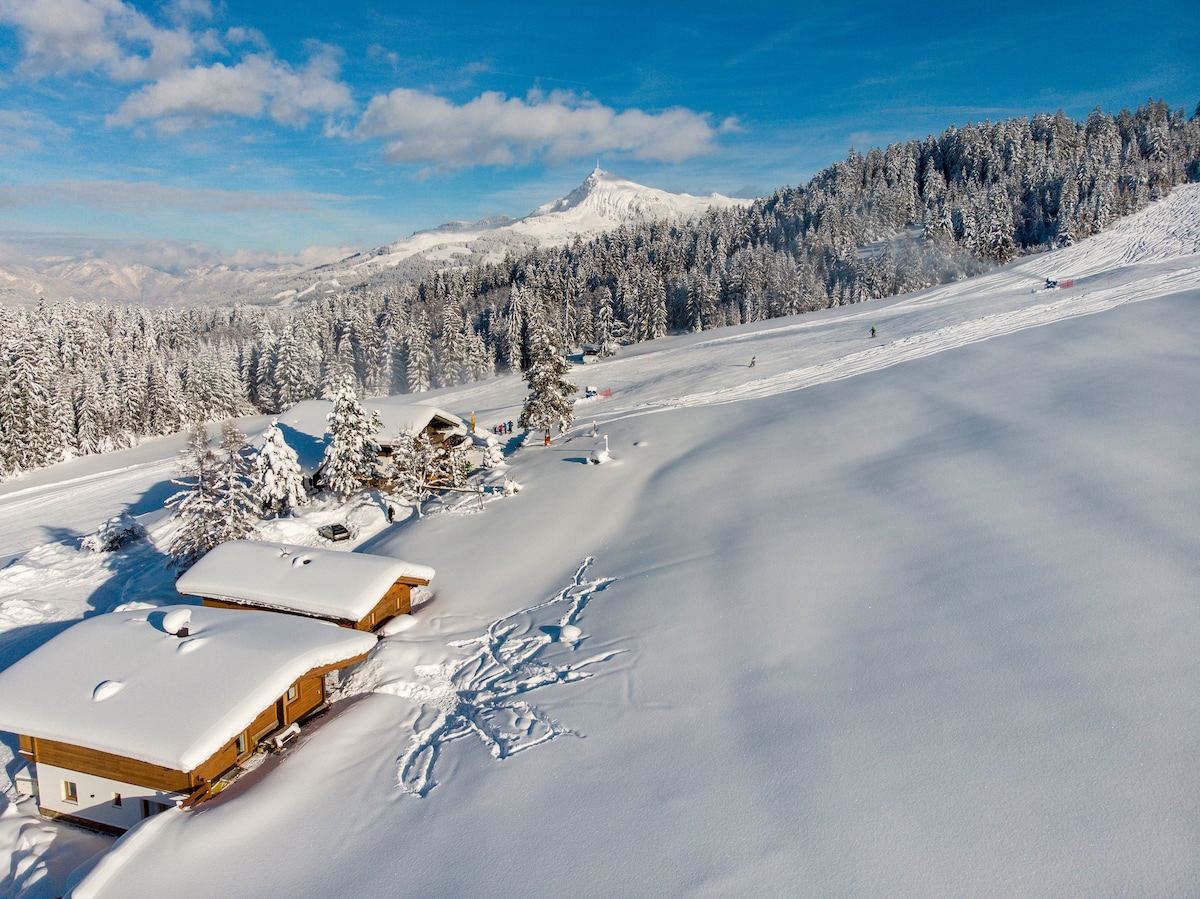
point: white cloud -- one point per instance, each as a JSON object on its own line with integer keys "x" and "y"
{"x": 144, "y": 196}
{"x": 252, "y": 36}
{"x": 178, "y": 91}
{"x": 257, "y": 84}
{"x": 184, "y": 10}
{"x": 72, "y": 36}
{"x": 493, "y": 129}
{"x": 23, "y": 130}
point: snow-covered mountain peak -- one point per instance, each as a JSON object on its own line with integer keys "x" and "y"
{"x": 604, "y": 201}
{"x": 598, "y": 185}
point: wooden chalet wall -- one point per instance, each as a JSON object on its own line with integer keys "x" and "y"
{"x": 397, "y": 601}
{"x": 105, "y": 764}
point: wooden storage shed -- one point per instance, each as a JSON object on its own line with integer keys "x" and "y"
{"x": 356, "y": 590}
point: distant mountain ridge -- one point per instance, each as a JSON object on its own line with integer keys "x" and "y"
{"x": 603, "y": 202}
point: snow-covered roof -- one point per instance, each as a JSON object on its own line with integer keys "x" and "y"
{"x": 306, "y": 428}
{"x": 323, "y": 582}
{"x": 121, "y": 683}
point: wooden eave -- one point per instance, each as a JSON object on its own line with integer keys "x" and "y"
{"x": 352, "y": 623}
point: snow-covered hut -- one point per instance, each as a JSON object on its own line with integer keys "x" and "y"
{"x": 127, "y": 714}
{"x": 356, "y": 590}
{"x": 305, "y": 427}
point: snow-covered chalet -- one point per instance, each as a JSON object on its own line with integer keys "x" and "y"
{"x": 127, "y": 714}
{"x": 305, "y": 427}
{"x": 351, "y": 589}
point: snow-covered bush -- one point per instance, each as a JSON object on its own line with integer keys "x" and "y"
{"x": 113, "y": 534}
{"x": 491, "y": 453}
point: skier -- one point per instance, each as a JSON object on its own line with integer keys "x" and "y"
{"x": 391, "y": 514}
{"x": 872, "y": 331}
{"x": 752, "y": 360}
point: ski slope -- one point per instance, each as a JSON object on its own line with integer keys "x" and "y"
{"x": 905, "y": 616}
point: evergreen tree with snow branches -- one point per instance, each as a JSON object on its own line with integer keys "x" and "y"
{"x": 548, "y": 406}
{"x": 237, "y": 506}
{"x": 352, "y": 450}
{"x": 277, "y": 478}
{"x": 216, "y": 503}
{"x": 196, "y": 504}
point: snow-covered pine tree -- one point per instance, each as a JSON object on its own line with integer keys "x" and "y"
{"x": 514, "y": 328}
{"x": 340, "y": 369}
{"x": 419, "y": 355}
{"x": 32, "y": 427}
{"x": 294, "y": 365}
{"x": 196, "y": 504}
{"x": 654, "y": 299}
{"x": 238, "y": 509}
{"x": 352, "y": 449}
{"x": 605, "y": 327}
{"x": 452, "y": 348}
{"x": 548, "y": 406}
{"x": 277, "y": 478}
{"x": 481, "y": 362}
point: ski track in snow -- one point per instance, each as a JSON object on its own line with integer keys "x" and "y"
{"x": 923, "y": 344}
{"x": 481, "y": 694}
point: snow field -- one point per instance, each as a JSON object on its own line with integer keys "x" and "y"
{"x": 929, "y": 630}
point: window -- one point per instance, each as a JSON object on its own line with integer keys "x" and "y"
{"x": 240, "y": 743}
{"x": 293, "y": 692}
{"x": 116, "y": 800}
{"x": 70, "y": 791}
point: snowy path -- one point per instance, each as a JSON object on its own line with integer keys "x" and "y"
{"x": 927, "y": 343}
{"x": 64, "y": 511}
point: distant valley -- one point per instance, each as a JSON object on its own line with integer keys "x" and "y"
{"x": 603, "y": 202}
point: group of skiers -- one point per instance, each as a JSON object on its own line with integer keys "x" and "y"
{"x": 503, "y": 428}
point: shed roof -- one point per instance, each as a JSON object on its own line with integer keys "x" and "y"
{"x": 120, "y": 683}
{"x": 322, "y": 582}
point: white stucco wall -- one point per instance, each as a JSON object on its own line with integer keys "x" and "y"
{"x": 96, "y": 796}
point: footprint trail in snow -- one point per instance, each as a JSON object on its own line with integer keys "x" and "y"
{"x": 483, "y": 693}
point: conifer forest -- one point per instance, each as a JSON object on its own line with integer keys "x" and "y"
{"x": 84, "y": 378}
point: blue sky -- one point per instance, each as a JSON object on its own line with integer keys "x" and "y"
{"x": 192, "y": 130}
